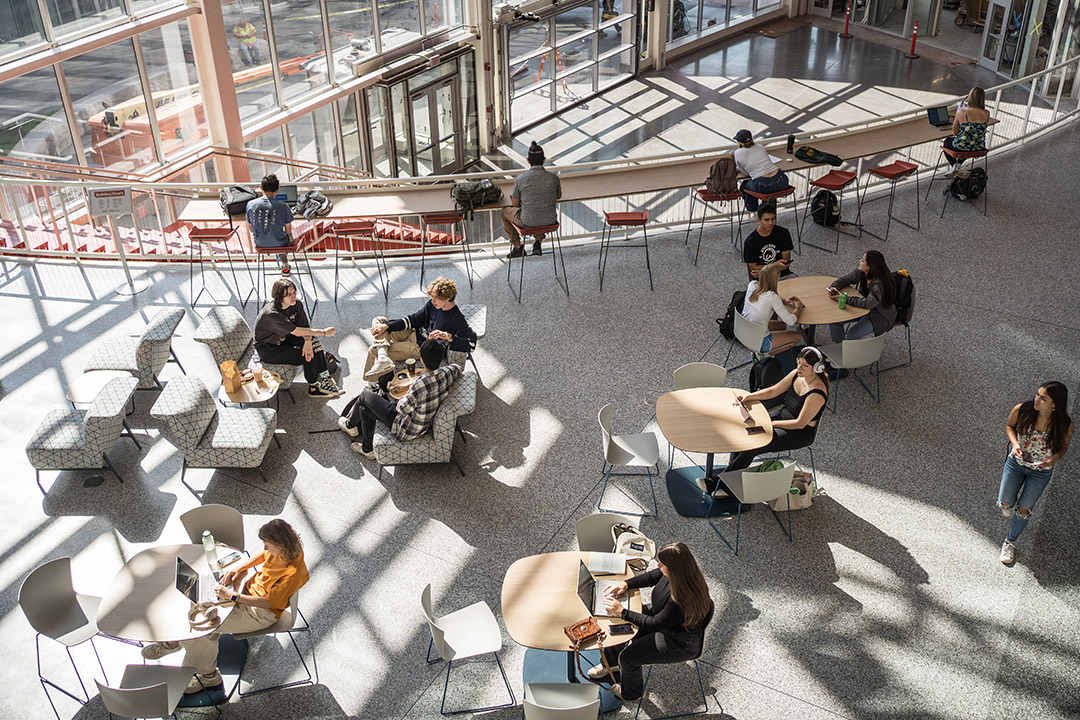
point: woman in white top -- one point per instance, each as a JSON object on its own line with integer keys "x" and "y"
{"x": 764, "y": 306}
{"x": 754, "y": 160}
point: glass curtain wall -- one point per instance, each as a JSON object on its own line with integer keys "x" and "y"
{"x": 32, "y": 121}
{"x": 689, "y": 18}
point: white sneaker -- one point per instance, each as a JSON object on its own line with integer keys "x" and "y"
{"x": 158, "y": 650}
{"x": 358, "y": 448}
{"x": 1006, "y": 511}
{"x": 599, "y": 671}
{"x": 343, "y": 425}
{"x": 382, "y": 366}
{"x": 1008, "y": 553}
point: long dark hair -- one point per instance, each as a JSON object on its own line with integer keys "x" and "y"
{"x": 1059, "y": 416}
{"x": 879, "y": 271}
{"x": 688, "y": 587}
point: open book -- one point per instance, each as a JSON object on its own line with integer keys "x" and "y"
{"x": 601, "y": 563}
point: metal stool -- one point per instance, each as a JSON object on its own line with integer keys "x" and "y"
{"x": 770, "y": 197}
{"x": 834, "y": 181}
{"x": 350, "y": 231}
{"x": 961, "y": 156}
{"x": 221, "y": 234}
{"x": 705, "y": 197}
{"x": 564, "y": 282}
{"x": 453, "y": 219}
{"x": 895, "y": 172}
{"x": 622, "y": 220}
{"x": 263, "y": 252}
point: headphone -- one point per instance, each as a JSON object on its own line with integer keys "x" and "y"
{"x": 204, "y": 616}
{"x": 819, "y": 366}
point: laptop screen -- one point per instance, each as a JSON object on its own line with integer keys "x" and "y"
{"x": 187, "y": 580}
{"x": 938, "y": 115}
{"x": 585, "y": 586}
{"x": 287, "y": 193}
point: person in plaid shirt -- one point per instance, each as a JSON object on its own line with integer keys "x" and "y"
{"x": 413, "y": 414}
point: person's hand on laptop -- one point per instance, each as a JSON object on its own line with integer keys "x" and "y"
{"x": 223, "y": 593}
{"x": 612, "y": 605}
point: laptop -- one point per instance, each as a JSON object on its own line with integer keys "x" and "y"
{"x": 287, "y": 193}
{"x": 199, "y": 587}
{"x": 939, "y": 117}
{"x": 591, "y": 592}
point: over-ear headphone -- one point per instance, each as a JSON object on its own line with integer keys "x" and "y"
{"x": 819, "y": 366}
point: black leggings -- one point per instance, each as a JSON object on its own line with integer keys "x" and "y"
{"x": 653, "y": 648}
{"x": 783, "y": 440}
{"x": 370, "y": 408}
{"x": 291, "y": 352}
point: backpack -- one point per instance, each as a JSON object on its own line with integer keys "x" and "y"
{"x": 766, "y": 372}
{"x": 471, "y": 194}
{"x": 679, "y": 26}
{"x": 970, "y": 187}
{"x": 722, "y": 178}
{"x": 815, "y": 156}
{"x": 904, "y": 289}
{"x": 825, "y": 209}
{"x": 630, "y": 541}
{"x": 234, "y": 200}
{"x": 727, "y": 323}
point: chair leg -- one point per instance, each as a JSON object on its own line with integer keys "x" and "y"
{"x": 738, "y": 524}
{"x": 172, "y": 355}
{"x": 565, "y": 281}
{"x": 446, "y": 685}
{"x": 648, "y": 266}
{"x": 129, "y": 434}
{"x": 701, "y": 686}
{"x": 110, "y": 466}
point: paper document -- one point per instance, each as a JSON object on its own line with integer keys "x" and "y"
{"x": 607, "y": 563}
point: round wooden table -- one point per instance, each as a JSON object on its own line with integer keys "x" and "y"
{"x": 820, "y": 308}
{"x": 251, "y": 392}
{"x": 706, "y": 420}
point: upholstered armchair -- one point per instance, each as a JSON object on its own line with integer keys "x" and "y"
{"x": 143, "y": 356}
{"x": 72, "y": 439}
{"x": 228, "y": 335}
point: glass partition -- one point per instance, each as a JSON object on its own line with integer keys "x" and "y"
{"x": 350, "y": 133}
{"x": 73, "y": 16}
{"x": 253, "y": 74}
{"x": 32, "y": 121}
{"x": 20, "y": 26}
{"x": 314, "y": 137}
{"x": 380, "y": 137}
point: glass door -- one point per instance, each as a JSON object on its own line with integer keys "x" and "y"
{"x": 997, "y": 24}
{"x": 436, "y": 127}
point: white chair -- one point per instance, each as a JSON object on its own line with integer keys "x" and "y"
{"x": 226, "y": 524}
{"x": 286, "y": 624}
{"x": 854, "y": 354}
{"x": 561, "y": 701}
{"x": 147, "y": 691}
{"x": 750, "y": 336}
{"x": 750, "y": 486}
{"x": 696, "y": 375}
{"x": 594, "y": 531}
{"x": 465, "y": 633}
{"x": 638, "y": 450}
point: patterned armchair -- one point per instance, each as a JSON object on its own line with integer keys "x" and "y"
{"x": 71, "y": 439}
{"x": 143, "y": 356}
{"x": 229, "y": 337}
{"x": 437, "y": 445}
{"x": 208, "y": 435}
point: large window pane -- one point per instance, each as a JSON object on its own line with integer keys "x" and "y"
{"x": 528, "y": 39}
{"x": 679, "y": 18}
{"x": 350, "y": 133}
{"x": 299, "y": 39}
{"x": 575, "y": 53}
{"x": 250, "y": 57}
{"x": 739, "y": 9}
{"x": 575, "y": 87}
{"x": 443, "y": 14}
{"x": 175, "y": 87}
{"x": 110, "y": 107}
{"x": 32, "y": 122}
{"x": 530, "y": 106}
{"x": 270, "y": 143}
{"x": 378, "y": 124}
{"x": 573, "y": 22}
{"x": 71, "y": 16}
{"x": 352, "y": 36}
{"x": 314, "y": 137}
{"x": 470, "y": 119}
{"x": 20, "y": 25}
{"x": 616, "y": 67}
{"x": 402, "y": 129}
{"x": 399, "y": 22}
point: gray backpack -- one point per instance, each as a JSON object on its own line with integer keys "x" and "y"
{"x": 471, "y": 194}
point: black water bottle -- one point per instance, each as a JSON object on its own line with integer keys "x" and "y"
{"x": 790, "y": 144}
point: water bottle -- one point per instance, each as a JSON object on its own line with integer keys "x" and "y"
{"x": 790, "y": 144}
{"x": 210, "y": 548}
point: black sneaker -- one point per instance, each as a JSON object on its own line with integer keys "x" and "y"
{"x": 320, "y": 390}
{"x": 517, "y": 252}
{"x": 536, "y": 248}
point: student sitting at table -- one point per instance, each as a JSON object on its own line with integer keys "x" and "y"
{"x": 969, "y": 129}
{"x": 258, "y": 605}
{"x": 671, "y": 629}
{"x": 764, "y": 306}
{"x": 875, "y": 283}
{"x": 768, "y": 243}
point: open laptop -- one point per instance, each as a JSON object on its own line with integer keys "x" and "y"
{"x": 287, "y": 193}
{"x": 199, "y": 587}
{"x": 939, "y": 117}
{"x": 591, "y": 591}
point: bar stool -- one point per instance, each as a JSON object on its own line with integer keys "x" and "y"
{"x": 705, "y": 197}
{"x": 221, "y": 234}
{"x": 564, "y": 281}
{"x": 894, "y": 172}
{"x": 453, "y": 219}
{"x": 614, "y": 220}
{"x": 961, "y": 156}
{"x": 834, "y": 181}
{"x": 350, "y": 231}
{"x": 773, "y": 196}
{"x": 287, "y": 250}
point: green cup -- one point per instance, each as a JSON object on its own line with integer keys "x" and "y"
{"x": 843, "y": 301}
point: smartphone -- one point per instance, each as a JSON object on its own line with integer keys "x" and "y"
{"x": 621, "y": 629}
{"x": 756, "y": 430}
{"x": 833, "y": 291}
{"x": 229, "y": 559}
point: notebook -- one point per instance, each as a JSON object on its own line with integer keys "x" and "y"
{"x": 199, "y": 587}
{"x": 604, "y": 563}
{"x": 939, "y": 117}
{"x": 591, "y": 592}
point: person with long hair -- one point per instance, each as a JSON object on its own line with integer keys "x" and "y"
{"x": 764, "y": 306}
{"x": 257, "y": 604}
{"x": 969, "y": 129}
{"x": 284, "y": 335}
{"x": 754, "y": 161}
{"x": 1039, "y": 432}
{"x": 671, "y": 629}
{"x": 876, "y": 284}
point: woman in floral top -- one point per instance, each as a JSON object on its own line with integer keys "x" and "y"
{"x": 1039, "y": 431}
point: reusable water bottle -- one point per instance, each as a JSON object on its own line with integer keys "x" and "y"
{"x": 210, "y": 548}
{"x": 790, "y": 144}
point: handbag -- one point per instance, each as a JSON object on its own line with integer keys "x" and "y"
{"x": 230, "y": 376}
{"x": 630, "y": 541}
{"x": 807, "y": 489}
{"x": 581, "y": 633}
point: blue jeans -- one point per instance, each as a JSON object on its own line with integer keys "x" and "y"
{"x": 861, "y": 328}
{"x": 1021, "y": 487}
{"x": 776, "y": 183}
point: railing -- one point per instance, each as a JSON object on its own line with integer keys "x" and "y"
{"x": 49, "y": 218}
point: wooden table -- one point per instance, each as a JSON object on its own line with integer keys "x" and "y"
{"x": 706, "y": 420}
{"x": 250, "y": 392}
{"x": 820, "y": 308}
{"x": 142, "y": 602}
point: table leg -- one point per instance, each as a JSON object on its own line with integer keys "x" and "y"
{"x": 571, "y": 670}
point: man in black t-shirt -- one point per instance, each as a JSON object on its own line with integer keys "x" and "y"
{"x": 768, "y": 243}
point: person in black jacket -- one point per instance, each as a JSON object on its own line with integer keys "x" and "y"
{"x": 670, "y": 630}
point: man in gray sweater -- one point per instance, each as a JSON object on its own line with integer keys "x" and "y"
{"x": 532, "y": 202}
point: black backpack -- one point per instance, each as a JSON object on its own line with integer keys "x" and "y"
{"x": 970, "y": 187}
{"x": 825, "y": 209}
{"x": 234, "y": 200}
{"x": 471, "y": 194}
{"x": 904, "y": 288}
{"x": 766, "y": 372}
{"x": 727, "y": 323}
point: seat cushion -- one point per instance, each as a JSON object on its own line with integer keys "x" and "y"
{"x": 236, "y": 437}
{"x": 59, "y": 442}
{"x": 115, "y": 353}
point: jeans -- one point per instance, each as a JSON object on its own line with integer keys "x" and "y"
{"x": 368, "y": 410}
{"x": 291, "y": 352}
{"x": 646, "y": 649}
{"x": 776, "y": 183}
{"x": 1020, "y": 488}
{"x": 861, "y": 328}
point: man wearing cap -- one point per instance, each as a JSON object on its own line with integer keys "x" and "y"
{"x": 532, "y": 202}
{"x": 753, "y": 160}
